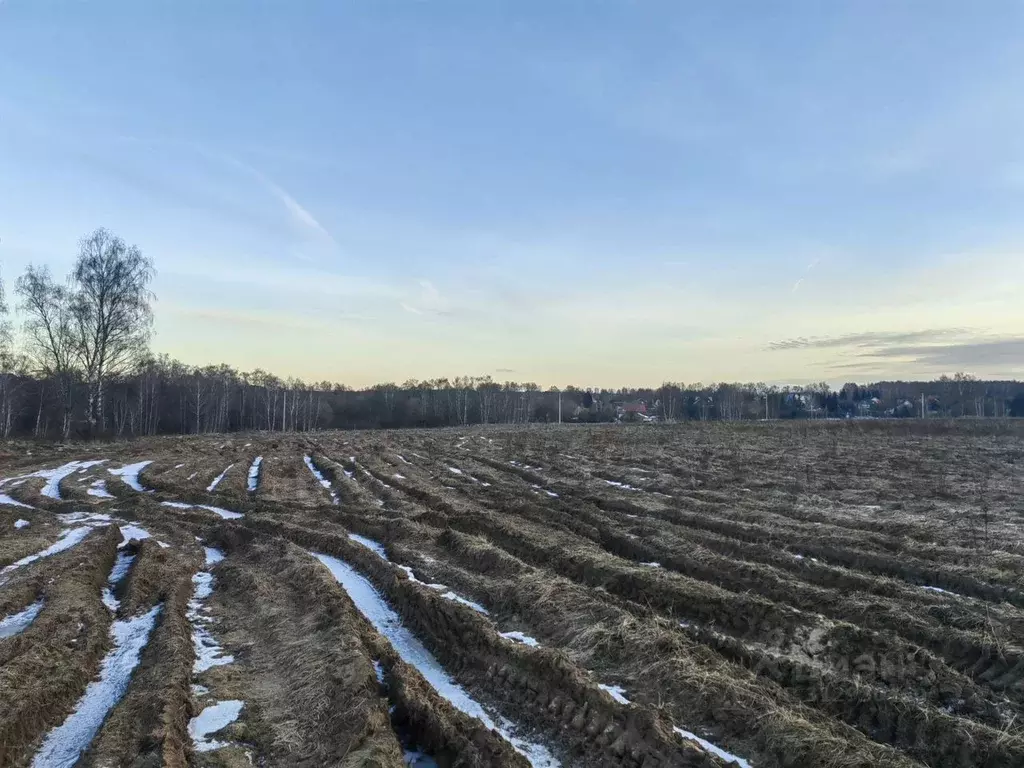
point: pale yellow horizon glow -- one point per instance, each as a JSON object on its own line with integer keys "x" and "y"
{"x": 615, "y": 335}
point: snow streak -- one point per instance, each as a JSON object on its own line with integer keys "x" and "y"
{"x": 129, "y": 475}
{"x": 17, "y": 623}
{"x": 68, "y": 539}
{"x": 208, "y": 651}
{"x": 254, "y": 473}
{"x": 211, "y": 720}
{"x": 216, "y": 481}
{"x": 387, "y": 622}
{"x": 320, "y": 478}
{"x": 65, "y": 743}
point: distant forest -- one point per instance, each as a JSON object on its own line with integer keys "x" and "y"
{"x": 78, "y": 365}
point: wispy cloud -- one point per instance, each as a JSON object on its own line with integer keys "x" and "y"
{"x": 427, "y": 301}
{"x": 1005, "y": 352}
{"x": 300, "y": 216}
{"x": 870, "y": 339}
{"x": 807, "y": 270}
{"x": 263, "y": 320}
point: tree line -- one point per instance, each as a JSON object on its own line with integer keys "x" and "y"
{"x": 79, "y": 365}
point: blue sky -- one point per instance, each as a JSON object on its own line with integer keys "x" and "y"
{"x": 587, "y": 192}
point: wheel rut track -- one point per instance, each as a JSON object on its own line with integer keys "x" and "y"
{"x": 926, "y": 733}
{"x": 883, "y": 716}
{"x": 540, "y": 689}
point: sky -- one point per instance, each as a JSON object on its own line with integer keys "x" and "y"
{"x": 589, "y": 192}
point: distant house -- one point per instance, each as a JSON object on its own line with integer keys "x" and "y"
{"x": 868, "y": 406}
{"x": 631, "y": 411}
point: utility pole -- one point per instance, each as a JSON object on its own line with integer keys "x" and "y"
{"x": 559, "y": 406}
{"x": 922, "y": 406}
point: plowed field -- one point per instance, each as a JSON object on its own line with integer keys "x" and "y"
{"x": 701, "y": 595}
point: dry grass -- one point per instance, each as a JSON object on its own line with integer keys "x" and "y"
{"x": 794, "y": 555}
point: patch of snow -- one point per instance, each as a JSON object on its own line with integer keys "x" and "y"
{"x": 651, "y": 564}
{"x": 209, "y": 654}
{"x": 117, "y": 574}
{"x": 254, "y": 473}
{"x": 715, "y": 750}
{"x": 211, "y": 720}
{"x": 414, "y": 580}
{"x": 5, "y": 499}
{"x": 519, "y": 637}
{"x": 398, "y": 476}
{"x": 942, "y": 591}
{"x": 623, "y": 486}
{"x": 67, "y": 540}
{"x": 16, "y": 623}
{"x": 21, "y": 523}
{"x": 65, "y": 743}
{"x": 129, "y": 475}
{"x": 216, "y": 481}
{"x": 324, "y": 482}
{"x": 120, "y": 569}
{"x": 378, "y": 670}
{"x": 449, "y": 595}
{"x": 176, "y": 504}
{"x": 370, "y": 544}
{"x": 132, "y": 531}
{"x": 93, "y": 518}
{"x": 404, "y": 460}
{"x": 199, "y": 690}
{"x": 178, "y": 466}
{"x": 192, "y": 476}
{"x": 616, "y": 692}
{"x": 52, "y": 487}
{"x": 213, "y": 555}
{"x": 455, "y": 470}
{"x": 412, "y": 651}
{"x": 99, "y": 488}
{"x": 226, "y": 514}
{"x": 53, "y": 476}
{"x": 552, "y": 494}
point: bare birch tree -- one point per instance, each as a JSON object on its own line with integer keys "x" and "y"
{"x": 50, "y": 342}
{"x": 111, "y": 312}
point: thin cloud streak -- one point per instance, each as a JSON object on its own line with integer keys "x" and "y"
{"x": 867, "y": 339}
{"x": 982, "y": 353}
{"x": 299, "y": 215}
